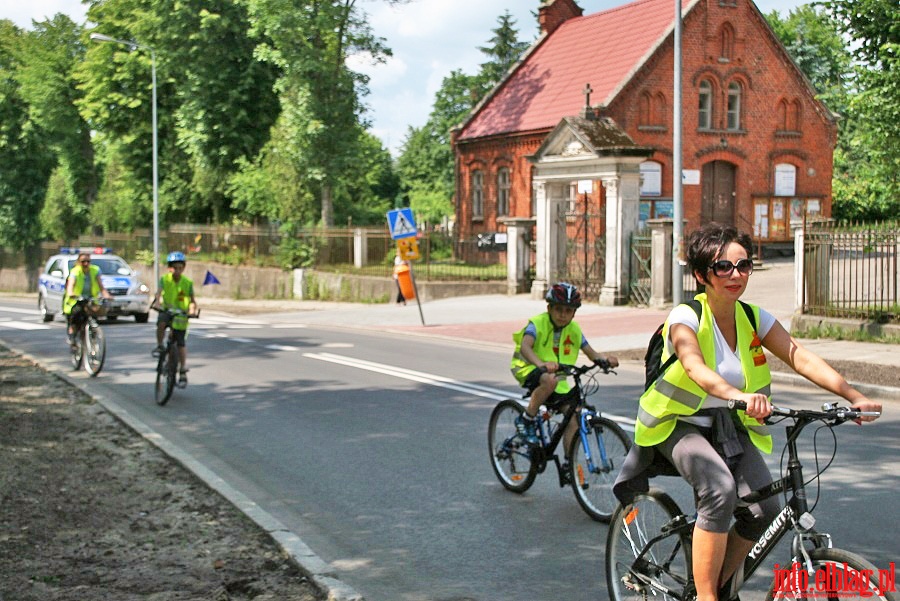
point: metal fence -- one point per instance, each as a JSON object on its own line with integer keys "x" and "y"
{"x": 333, "y": 249}
{"x": 852, "y": 271}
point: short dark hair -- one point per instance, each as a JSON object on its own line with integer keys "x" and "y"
{"x": 708, "y": 242}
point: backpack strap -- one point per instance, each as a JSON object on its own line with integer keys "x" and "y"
{"x": 698, "y": 309}
{"x": 749, "y": 311}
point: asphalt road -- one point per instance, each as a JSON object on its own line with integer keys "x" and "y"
{"x": 372, "y": 448}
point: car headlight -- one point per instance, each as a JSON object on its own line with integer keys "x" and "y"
{"x": 143, "y": 289}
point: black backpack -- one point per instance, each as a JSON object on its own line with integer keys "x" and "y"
{"x": 653, "y": 365}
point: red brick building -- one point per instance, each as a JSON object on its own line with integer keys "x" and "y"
{"x": 757, "y": 145}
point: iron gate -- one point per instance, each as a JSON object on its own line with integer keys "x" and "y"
{"x": 585, "y": 264}
{"x": 639, "y": 268}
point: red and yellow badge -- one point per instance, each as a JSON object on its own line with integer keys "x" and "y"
{"x": 567, "y": 345}
{"x": 756, "y": 351}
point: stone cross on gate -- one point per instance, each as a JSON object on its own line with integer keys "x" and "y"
{"x": 588, "y": 112}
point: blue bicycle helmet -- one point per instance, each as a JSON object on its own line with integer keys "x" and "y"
{"x": 176, "y": 257}
{"x": 564, "y": 294}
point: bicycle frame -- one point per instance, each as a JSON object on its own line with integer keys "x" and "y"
{"x": 794, "y": 515}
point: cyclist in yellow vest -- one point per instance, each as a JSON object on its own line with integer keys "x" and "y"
{"x": 549, "y": 340}
{"x": 175, "y": 291}
{"x": 683, "y": 421}
{"x": 84, "y": 280}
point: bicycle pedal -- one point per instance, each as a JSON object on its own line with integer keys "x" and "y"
{"x": 631, "y": 584}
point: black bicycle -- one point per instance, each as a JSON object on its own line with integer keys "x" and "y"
{"x": 168, "y": 359}
{"x": 592, "y": 460}
{"x": 88, "y": 344}
{"x": 648, "y": 548}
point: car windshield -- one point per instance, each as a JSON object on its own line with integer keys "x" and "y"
{"x": 107, "y": 265}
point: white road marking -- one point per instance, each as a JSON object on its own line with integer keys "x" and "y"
{"x": 440, "y": 381}
{"x": 23, "y": 325}
{"x": 18, "y": 310}
{"x": 281, "y": 347}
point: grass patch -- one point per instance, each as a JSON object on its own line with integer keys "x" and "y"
{"x": 838, "y": 333}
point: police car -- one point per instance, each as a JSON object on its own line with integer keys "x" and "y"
{"x": 129, "y": 295}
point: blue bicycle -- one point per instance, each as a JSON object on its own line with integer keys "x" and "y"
{"x": 591, "y": 462}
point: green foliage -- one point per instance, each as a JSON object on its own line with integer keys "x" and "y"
{"x": 63, "y": 216}
{"x": 26, "y": 161}
{"x": 867, "y": 167}
{"x": 297, "y": 252}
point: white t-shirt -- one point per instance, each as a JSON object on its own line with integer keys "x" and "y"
{"x": 728, "y": 362}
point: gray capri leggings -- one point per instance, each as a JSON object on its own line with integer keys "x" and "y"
{"x": 717, "y": 488}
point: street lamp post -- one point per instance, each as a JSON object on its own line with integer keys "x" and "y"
{"x": 133, "y": 46}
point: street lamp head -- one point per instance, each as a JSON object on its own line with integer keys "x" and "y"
{"x": 99, "y": 37}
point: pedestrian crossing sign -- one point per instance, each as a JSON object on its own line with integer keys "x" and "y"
{"x": 401, "y": 223}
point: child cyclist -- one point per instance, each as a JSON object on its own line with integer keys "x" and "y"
{"x": 549, "y": 340}
{"x": 176, "y": 291}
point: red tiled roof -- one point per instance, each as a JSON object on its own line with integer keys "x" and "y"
{"x": 603, "y": 49}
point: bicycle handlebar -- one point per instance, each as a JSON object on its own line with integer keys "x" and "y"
{"x": 176, "y": 312}
{"x": 830, "y": 411}
{"x": 578, "y": 370}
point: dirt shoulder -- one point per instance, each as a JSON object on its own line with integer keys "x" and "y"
{"x": 90, "y": 511}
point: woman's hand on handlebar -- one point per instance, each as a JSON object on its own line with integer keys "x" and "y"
{"x": 758, "y": 405}
{"x": 864, "y": 404}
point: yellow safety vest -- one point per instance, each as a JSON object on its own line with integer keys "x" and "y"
{"x": 78, "y": 288}
{"x": 569, "y": 346}
{"x": 674, "y": 393}
{"x": 177, "y": 295}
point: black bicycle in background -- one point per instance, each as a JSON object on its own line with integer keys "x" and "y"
{"x": 648, "y": 547}
{"x": 88, "y": 344}
{"x": 591, "y": 462}
{"x": 168, "y": 360}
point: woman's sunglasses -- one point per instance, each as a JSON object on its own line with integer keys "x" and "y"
{"x": 724, "y": 267}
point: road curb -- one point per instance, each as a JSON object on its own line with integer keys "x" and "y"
{"x": 873, "y": 391}
{"x": 315, "y": 568}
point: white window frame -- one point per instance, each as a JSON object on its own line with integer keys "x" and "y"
{"x": 705, "y": 108}
{"x": 735, "y": 91}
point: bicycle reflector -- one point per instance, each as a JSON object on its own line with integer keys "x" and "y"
{"x": 632, "y": 515}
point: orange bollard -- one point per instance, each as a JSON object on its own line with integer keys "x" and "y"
{"x": 404, "y": 278}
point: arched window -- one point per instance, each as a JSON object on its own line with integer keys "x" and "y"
{"x": 477, "y": 191}
{"x": 785, "y": 180}
{"x": 644, "y": 112}
{"x": 726, "y": 39}
{"x": 704, "y": 115}
{"x": 794, "y": 115}
{"x": 503, "y": 191}
{"x": 734, "y": 105}
{"x": 659, "y": 109}
{"x": 651, "y": 178}
{"x": 783, "y": 115}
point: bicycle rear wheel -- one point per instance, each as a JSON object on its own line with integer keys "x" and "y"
{"x": 838, "y": 575}
{"x": 607, "y": 445}
{"x": 94, "y": 348}
{"x": 667, "y": 562}
{"x": 511, "y": 456}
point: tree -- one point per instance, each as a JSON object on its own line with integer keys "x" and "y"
{"x": 309, "y": 41}
{"x": 25, "y": 157}
{"x": 867, "y": 184}
{"x": 503, "y": 51}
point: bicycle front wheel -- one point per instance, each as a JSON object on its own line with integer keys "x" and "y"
{"x": 165, "y": 376}
{"x": 594, "y": 461}
{"x": 77, "y": 350}
{"x": 666, "y": 563}
{"x": 511, "y": 456}
{"x": 94, "y": 349}
{"x": 837, "y": 575}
